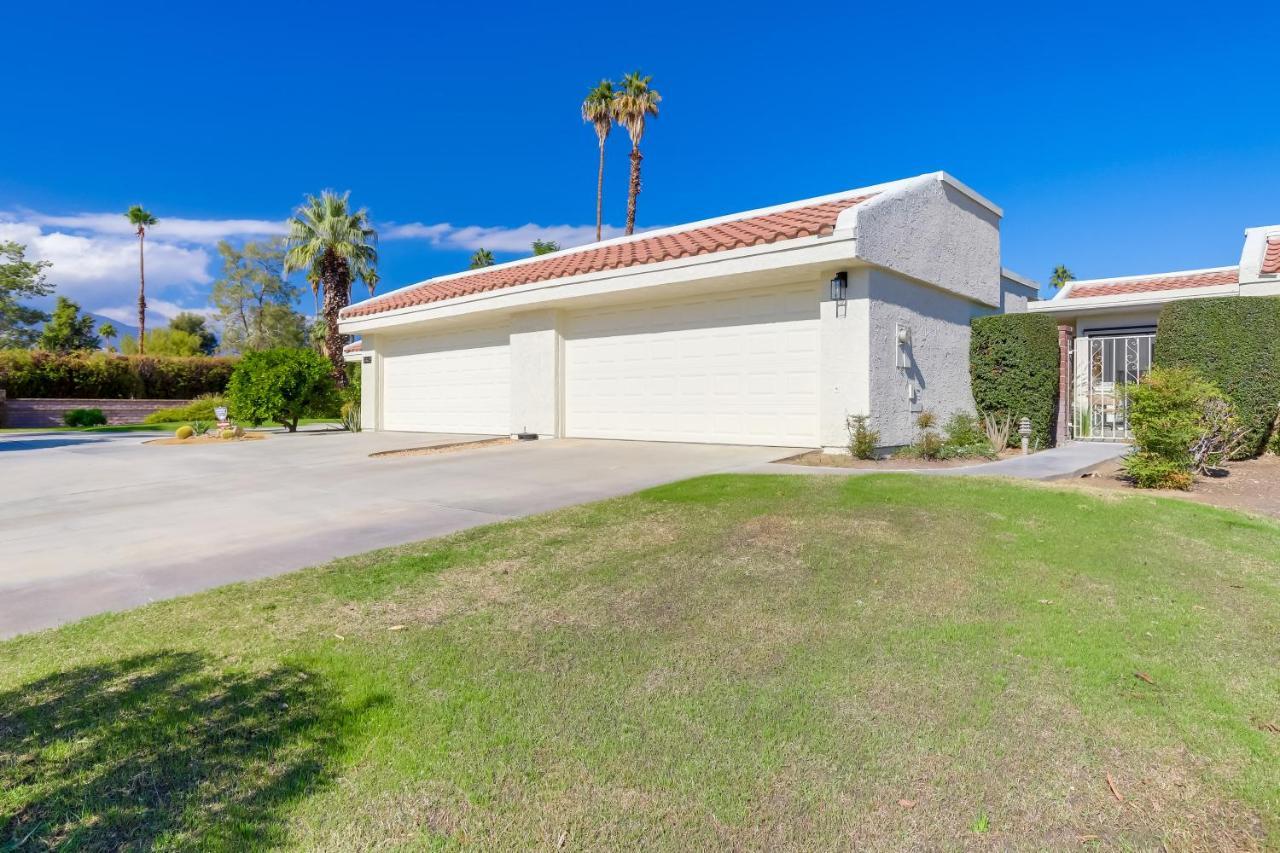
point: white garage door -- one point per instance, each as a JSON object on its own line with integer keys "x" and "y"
{"x": 457, "y": 381}
{"x": 730, "y": 369}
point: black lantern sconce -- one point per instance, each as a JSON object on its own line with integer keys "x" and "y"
{"x": 840, "y": 287}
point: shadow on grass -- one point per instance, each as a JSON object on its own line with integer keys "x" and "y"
{"x": 163, "y": 749}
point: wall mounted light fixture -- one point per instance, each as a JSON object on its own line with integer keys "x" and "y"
{"x": 840, "y": 287}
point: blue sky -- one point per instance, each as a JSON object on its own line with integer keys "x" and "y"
{"x": 1119, "y": 138}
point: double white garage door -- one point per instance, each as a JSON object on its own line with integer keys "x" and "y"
{"x": 729, "y": 369}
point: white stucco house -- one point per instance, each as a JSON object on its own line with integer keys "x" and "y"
{"x": 1107, "y": 327}
{"x": 764, "y": 327}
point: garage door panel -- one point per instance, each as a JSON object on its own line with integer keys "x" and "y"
{"x": 735, "y": 369}
{"x": 458, "y": 381}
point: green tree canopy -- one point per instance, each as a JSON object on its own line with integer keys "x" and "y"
{"x": 172, "y": 342}
{"x": 255, "y": 300}
{"x": 481, "y": 259}
{"x": 68, "y": 330}
{"x": 281, "y": 385}
{"x": 1060, "y": 276}
{"x": 20, "y": 279}
{"x": 545, "y": 247}
{"x": 194, "y": 324}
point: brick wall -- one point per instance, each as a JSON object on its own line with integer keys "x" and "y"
{"x": 1065, "y": 334}
{"x": 48, "y": 412}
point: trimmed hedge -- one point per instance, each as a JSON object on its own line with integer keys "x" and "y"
{"x": 1234, "y": 342}
{"x": 35, "y": 373}
{"x": 1013, "y": 362}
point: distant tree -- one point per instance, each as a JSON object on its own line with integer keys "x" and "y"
{"x": 598, "y": 111}
{"x": 68, "y": 330}
{"x": 20, "y": 279}
{"x": 108, "y": 332}
{"x": 255, "y": 300}
{"x": 481, "y": 258}
{"x": 172, "y": 342}
{"x": 194, "y": 324}
{"x": 281, "y": 385}
{"x": 335, "y": 246}
{"x": 636, "y": 101}
{"x": 545, "y": 247}
{"x": 1060, "y": 276}
{"x": 141, "y": 220}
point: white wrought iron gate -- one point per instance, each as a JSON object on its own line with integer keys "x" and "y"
{"x": 1103, "y": 368}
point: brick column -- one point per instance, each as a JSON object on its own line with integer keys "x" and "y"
{"x": 1065, "y": 333}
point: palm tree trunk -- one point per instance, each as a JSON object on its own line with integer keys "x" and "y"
{"x": 634, "y": 189}
{"x": 337, "y": 289}
{"x": 600, "y": 193}
{"x": 142, "y": 296}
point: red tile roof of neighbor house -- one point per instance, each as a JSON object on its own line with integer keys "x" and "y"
{"x": 1148, "y": 284}
{"x": 354, "y": 346}
{"x": 805, "y": 221}
{"x": 1271, "y": 257}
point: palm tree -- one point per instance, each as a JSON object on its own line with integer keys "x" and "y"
{"x": 108, "y": 332}
{"x": 598, "y": 110}
{"x": 141, "y": 220}
{"x": 335, "y": 246}
{"x": 632, "y": 105}
{"x": 1061, "y": 275}
{"x": 481, "y": 258}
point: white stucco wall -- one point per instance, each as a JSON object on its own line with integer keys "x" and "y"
{"x": 369, "y": 388}
{"x": 932, "y": 231}
{"x": 535, "y": 373}
{"x": 937, "y": 357}
{"x": 1122, "y": 322}
{"x": 844, "y": 373}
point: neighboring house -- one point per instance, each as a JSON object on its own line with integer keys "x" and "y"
{"x": 351, "y": 352}
{"x": 1107, "y": 329}
{"x": 764, "y": 327}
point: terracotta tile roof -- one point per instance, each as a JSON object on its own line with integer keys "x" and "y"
{"x": 806, "y": 221}
{"x": 1148, "y": 284}
{"x": 354, "y": 346}
{"x": 1271, "y": 257}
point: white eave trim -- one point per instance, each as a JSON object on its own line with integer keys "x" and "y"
{"x": 1131, "y": 300}
{"x": 833, "y": 248}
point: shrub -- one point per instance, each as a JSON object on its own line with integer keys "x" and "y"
{"x": 350, "y": 416}
{"x": 281, "y": 385}
{"x": 32, "y": 373}
{"x": 200, "y": 408}
{"x": 1013, "y": 362}
{"x": 962, "y": 430}
{"x": 1181, "y": 424}
{"x": 1232, "y": 342}
{"x": 84, "y": 418}
{"x": 928, "y": 444}
{"x": 863, "y": 440}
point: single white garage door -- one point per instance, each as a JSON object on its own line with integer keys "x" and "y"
{"x": 728, "y": 369}
{"x": 456, "y": 381}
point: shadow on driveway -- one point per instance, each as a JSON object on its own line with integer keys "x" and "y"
{"x": 18, "y": 444}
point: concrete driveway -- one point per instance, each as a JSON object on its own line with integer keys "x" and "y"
{"x": 90, "y": 523}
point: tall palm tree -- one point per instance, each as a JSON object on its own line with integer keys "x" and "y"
{"x": 1061, "y": 275}
{"x": 636, "y": 101}
{"x": 597, "y": 110}
{"x": 335, "y": 246}
{"x": 108, "y": 332}
{"x": 481, "y": 258}
{"x": 141, "y": 220}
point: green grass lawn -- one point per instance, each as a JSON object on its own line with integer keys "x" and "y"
{"x": 878, "y": 662}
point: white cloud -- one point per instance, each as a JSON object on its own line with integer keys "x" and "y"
{"x": 175, "y": 229}
{"x": 497, "y": 238}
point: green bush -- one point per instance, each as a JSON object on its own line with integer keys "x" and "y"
{"x": 1233, "y": 342}
{"x": 1013, "y": 362}
{"x": 200, "y": 408}
{"x": 34, "y": 373}
{"x": 281, "y": 385}
{"x": 1181, "y": 424}
{"x": 84, "y": 418}
{"x": 863, "y": 440}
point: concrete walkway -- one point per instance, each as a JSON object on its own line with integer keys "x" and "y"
{"x": 1069, "y": 460}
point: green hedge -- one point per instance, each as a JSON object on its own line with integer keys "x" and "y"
{"x": 34, "y": 373}
{"x": 1013, "y": 361}
{"x": 1234, "y": 342}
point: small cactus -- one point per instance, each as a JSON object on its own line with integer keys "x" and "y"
{"x": 184, "y": 432}
{"x": 239, "y": 431}
{"x": 227, "y": 433}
